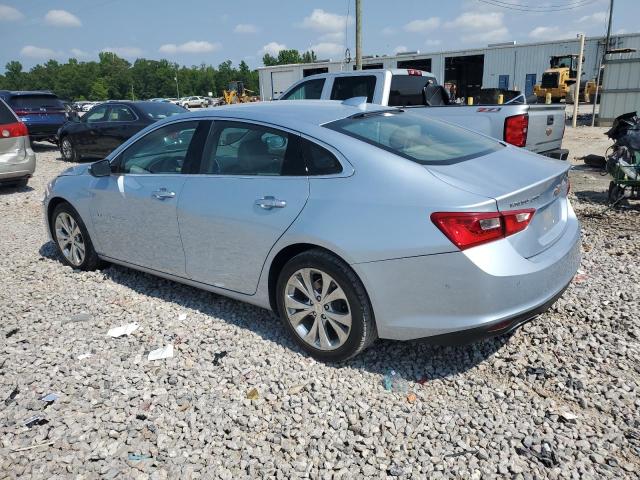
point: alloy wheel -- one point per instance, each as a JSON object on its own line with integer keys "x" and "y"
{"x": 318, "y": 309}
{"x": 67, "y": 149}
{"x": 69, "y": 238}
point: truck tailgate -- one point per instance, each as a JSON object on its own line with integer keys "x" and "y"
{"x": 546, "y": 127}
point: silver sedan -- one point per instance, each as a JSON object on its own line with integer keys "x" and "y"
{"x": 351, "y": 221}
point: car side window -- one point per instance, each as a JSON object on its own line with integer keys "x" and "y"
{"x": 98, "y": 114}
{"x": 309, "y": 90}
{"x": 319, "y": 160}
{"x": 162, "y": 151}
{"x": 355, "y": 86}
{"x": 120, "y": 113}
{"x": 238, "y": 148}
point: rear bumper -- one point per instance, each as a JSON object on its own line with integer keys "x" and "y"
{"x": 22, "y": 166}
{"x": 41, "y": 131}
{"x": 557, "y": 153}
{"x": 468, "y": 293}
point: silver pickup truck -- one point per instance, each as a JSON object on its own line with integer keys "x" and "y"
{"x": 536, "y": 127}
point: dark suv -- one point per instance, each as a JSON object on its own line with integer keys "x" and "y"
{"x": 41, "y": 111}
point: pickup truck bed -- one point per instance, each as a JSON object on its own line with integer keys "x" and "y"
{"x": 536, "y": 127}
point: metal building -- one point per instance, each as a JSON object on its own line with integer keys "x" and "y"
{"x": 621, "y": 87}
{"x": 507, "y": 65}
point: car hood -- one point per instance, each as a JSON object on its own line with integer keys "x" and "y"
{"x": 75, "y": 171}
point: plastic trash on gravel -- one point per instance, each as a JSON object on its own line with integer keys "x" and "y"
{"x": 162, "y": 352}
{"x": 123, "y": 330}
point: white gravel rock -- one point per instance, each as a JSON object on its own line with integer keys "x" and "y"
{"x": 558, "y": 399}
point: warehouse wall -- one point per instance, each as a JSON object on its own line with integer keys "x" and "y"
{"x": 515, "y": 61}
{"x": 621, "y": 89}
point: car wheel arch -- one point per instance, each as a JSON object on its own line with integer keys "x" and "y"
{"x": 51, "y": 206}
{"x": 281, "y": 258}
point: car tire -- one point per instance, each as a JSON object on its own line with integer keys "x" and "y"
{"x": 72, "y": 239}
{"x": 339, "y": 294}
{"x": 68, "y": 151}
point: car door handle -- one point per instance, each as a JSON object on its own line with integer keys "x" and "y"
{"x": 163, "y": 193}
{"x": 270, "y": 202}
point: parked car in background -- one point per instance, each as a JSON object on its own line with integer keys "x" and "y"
{"x": 191, "y": 102}
{"x": 41, "y": 111}
{"x": 17, "y": 159}
{"x": 106, "y": 126}
{"x": 352, "y": 221}
{"x": 175, "y": 101}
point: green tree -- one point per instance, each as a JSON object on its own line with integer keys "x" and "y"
{"x": 99, "y": 90}
{"x": 288, "y": 57}
{"x": 14, "y": 76}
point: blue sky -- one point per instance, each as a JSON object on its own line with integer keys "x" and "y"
{"x": 196, "y": 31}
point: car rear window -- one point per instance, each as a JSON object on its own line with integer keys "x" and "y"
{"x": 407, "y": 90}
{"x": 414, "y": 137}
{"x": 354, "y": 86}
{"x": 160, "y": 110}
{"x": 6, "y": 115}
{"x": 35, "y": 102}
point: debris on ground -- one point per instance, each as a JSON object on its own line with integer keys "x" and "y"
{"x": 127, "y": 329}
{"x": 253, "y": 394}
{"x": 34, "y": 420}
{"x": 14, "y": 393}
{"x": 394, "y": 383}
{"x": 84, "y": 356}
{"x": 161, "y": 353}
{"x": 411, "y": 397}
{"x": 11, "y": 332}
{"x": 546, "y": 456}
{"x": 219, "y": 356}
{"x": 134, "y": 457}
{"x": 422, "y": 380}
{"x": 182, "y": 317}
{"x": 50, "y": 398}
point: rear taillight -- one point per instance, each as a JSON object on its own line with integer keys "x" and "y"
{"x": 515, "y": 130}
{"x": 17, "y": 129}
{"x": 469, "y": 229}
{"x": 21, "y": 113}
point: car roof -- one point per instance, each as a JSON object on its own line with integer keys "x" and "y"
{"x": 290, "y": 113}
{"x": 370, "y": 71}
{"x": 16, "y": 93}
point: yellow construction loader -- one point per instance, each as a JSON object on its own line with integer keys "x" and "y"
{"x": 559, "y": 78}
{"x": 236, "y": 93}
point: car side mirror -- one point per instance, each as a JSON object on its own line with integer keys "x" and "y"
{"x": 101, "y": 168}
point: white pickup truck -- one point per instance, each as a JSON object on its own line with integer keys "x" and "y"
{"x": 536, "y": 127}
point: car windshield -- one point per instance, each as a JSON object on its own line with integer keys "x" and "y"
{"x": 415, "y": 137}
{"x": 160, "y": 110}
{"x": 35, "y": 102}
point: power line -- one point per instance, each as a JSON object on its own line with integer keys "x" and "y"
{"x": 572, "y": 5}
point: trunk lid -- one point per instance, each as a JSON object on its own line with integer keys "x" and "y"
{"x": 517, "y": 179}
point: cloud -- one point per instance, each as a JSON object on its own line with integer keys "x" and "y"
{"x": 322, "y": 21}
{"x": 333, "y": 37}
{"x": 76, "y": 52}
{"x": 477, "y": 21}
{"x": 388, "y": 31}
{"x": 246, "y": 28}
{"x": 478, "y": 27}
{"x": 128, "y": 52}
{"x": 424, "y": 25}
{"x": 192, "y": 46}
{"x": 62, "y": 18}
{"x": 598, "y": 17}
{"x": 10, "y": 14}
{"x": 542, "y": 33}
{"x": 37, "y": 52}
{"x": 400, "y": 49}
{"x": 327, "y": 49}
{"x": 272, "y": 48}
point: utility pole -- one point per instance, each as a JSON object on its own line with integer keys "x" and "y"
{"x": 576, "y": 95}
{"x": 602, "y": 60}
{"x": 358, "y": 34}
{"x": 177, "y": 87}
{"x": 132, "y": 97}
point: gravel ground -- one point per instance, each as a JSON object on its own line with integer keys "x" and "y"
{"x": 557, "y": 399}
